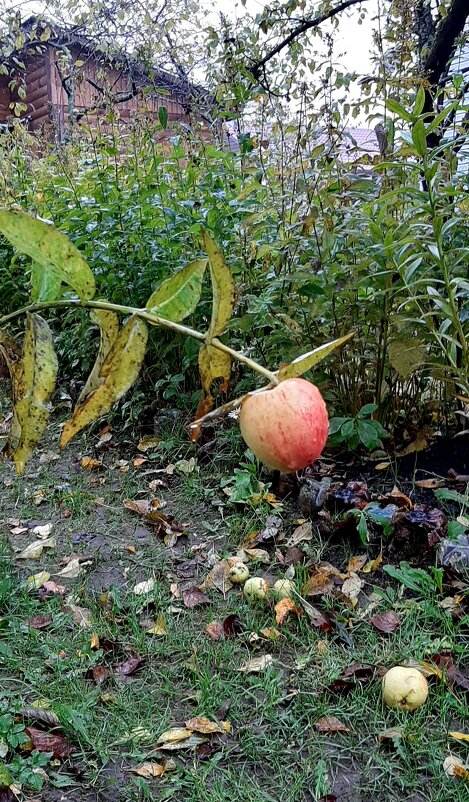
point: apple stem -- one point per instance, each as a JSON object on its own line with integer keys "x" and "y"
{"x": 230, "y": 406}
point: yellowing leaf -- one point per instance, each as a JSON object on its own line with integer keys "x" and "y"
{"x": 34, "y": 550}
{"x": 178, "y": 296}
{"x": 90, "y": 464}
{"x": 49, "y": 248}
{"x": 307, "y": 361}
{"x": 38, "y": 376}
{"x": 406, "y": 356}
{"x": 174, "y": 735}
{"x": 214, "y": 364}
{"x": 159, "y": 627}
{"x": 460, "y": 736}
{"x": 203, "y": 725}
{"x": 118, "y": 372}
{"x": 222, "y": 286}
{"x": 108, "y": 323}
{"x": 150, "y": 769}
{"x": 46, "y": 285}
{"x": 356, "y": 563}
{"x": 372, "y": 565}
{"x": 36, "y": 580}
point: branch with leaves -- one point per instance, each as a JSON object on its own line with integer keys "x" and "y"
{"x": 58, "y": 268}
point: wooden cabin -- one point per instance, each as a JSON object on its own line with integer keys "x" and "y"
{"x": 98, "y": 85}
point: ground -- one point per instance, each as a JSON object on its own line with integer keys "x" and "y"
{"x": 90, "y": 661}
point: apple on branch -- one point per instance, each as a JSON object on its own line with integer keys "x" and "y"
{"x": 286, "y": 427}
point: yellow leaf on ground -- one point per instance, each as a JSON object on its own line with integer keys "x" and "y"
{"x": 36, "y": 580}
{"x": 356, "y": 563}
{"x": 159, "y": 627}
{"x": 257, "y": 664}
{"x": 203, "y": 725}
{"x": 71, "y": 570}
{"x": 34, "y": 550}
{"x": 372, "y": 565}
{"x": 174, "y": 735}
{"x": 460, "y": 736}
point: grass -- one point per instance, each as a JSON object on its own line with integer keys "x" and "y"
{"x": 274, "y": 752}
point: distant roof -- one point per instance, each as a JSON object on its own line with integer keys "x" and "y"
{"x": 351, "y": 143}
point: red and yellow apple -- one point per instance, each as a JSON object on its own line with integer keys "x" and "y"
{"x": 286, "y": 427}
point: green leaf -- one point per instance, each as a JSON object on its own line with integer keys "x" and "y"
{"x": 335, "y": 424}
{"x": 396, "y": 108}
{"x": 419, "y": 138}
{"x": 163, "y": 116}
{"x": 222, "y": 286}
{"x": 51, "y": 249}
{"x": 108, "y": 323}
{"x": 368, "y": 434}
{"x": 368, "y": 409}
{"x": 46, "y": 285}
{"x": 118, "y": 373}
{"x": 419, "y": 101}
{"x": 178, "y": 296}
{"x": 38, "y": 376}
{"x": 305, "y": 362}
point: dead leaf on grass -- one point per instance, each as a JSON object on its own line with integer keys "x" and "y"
{"x": 129, "y": 666}
{"x": 191, "y": 742}
{"x": 35, "y": 581}
{"x": 257, "y": 664}
{"x": 71, "y": 570}
{"x": 192, "y": 597}
{"x": 284, "y": 608}
{"x": 352, "y": 587}
{"x": 302, "y": 534}
{"x": 91, "y": 464}
{"x": 144, "y": 587}
{"x": 317, "y": 618}
{"x": 218, "y": 577}
{"x": 431, "y": 484}
{"x": 101, "y": 674}
{"x": 35, "y": 549}
{"x": 331, "y": 724}
{"x": 148, "y": 442}
{"x": 254, "y": 555}
{"x": 215, "y": 630}
{"x": 385, "y": 622}
{"x": 459, "y": 736}
{"x": 271, "y": 633}
{"x": 454, "y": 767}
{"x": 204, "y": 725}
{"x": 232, "y": 626}
{"x": 318, "y": 585}
{"x": 372, "y": 565}
{"x": 150, "y": 769}
{"x": 39, "y": 621}
{"x": 80, "y": 615}
{"x": 392, "y": 734}
{"x": 42, "y": 531}
{"x": 356, "y": 563}
{"x": 174, "y": 735}
{"x": 159, "y": 627}
{"x": 49, "y": 742}
{"x": 54, "y": 587}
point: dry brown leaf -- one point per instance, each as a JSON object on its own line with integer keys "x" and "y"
{"x": 42, "y": 531}
{"x": 48, "y": 742}
{"x": 356, "y": 563}
{"x": 139, "y": 461}
{"x": 385, "y": 622}
{"x": 257, "y": 664}
{"x": 203, "y": 725}
{"x": 90, "y": 464}
{"x": 352, "y": 586}
{"x": 174, "y": 735}
{"x": 71, "y": 570}
{"x": 148, "y": 443}
{"x": 318, "y": 585}
{"x": 431, "y": 484}
{"x": 218, "y": 577}
{"x": 454, "y": 767}
{"x": 192, "y": 742}
{"x": 271, "y": 633}
{"x": 80, "y": 615}
{"x": 150, "y": 769}
{"x": 39, "y": 621}
{"x": 284, "y": 608}
{"x": 193, "y": 596}
{"x": 301, "y": 534}
{"x": 54, "y": 587}
{"x": 427, "y": 669}
{"x": 330, "y": 724}
{"x": 256, "y": 555}
{"x": 419, "y": 444}
{"x": 215, "y": 630}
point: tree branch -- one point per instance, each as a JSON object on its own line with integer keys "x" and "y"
{"x": 304, "y": 26}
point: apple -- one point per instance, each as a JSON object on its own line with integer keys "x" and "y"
{"x": 239, "y": 572}
{"x": 404, "y": 688}
{"x": 284, "y": 589}
{"x": 286, "y": 427}
{"x": 256, "y": 589}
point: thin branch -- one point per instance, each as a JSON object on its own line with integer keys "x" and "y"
{"x": 304, "y": 26}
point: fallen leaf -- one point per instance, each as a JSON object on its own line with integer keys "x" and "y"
{"x": 271, "y": 633}
{"x": 148, "y": 443}
{"x": 90, "y": 464}
{"x": 203, "y": 725}
{"x": 192, "y": 597}
{"x": 381, "y": 466}
{"x": 129, "y": 666}
{"x": 459, "y": 736}
{"x": 35, "y": 549}
{"x": 318, "y": 585}
{"x": 54, "y": 587}
{"x": 42, "y": 531}
{"x": 284, "y": 608}
{"x": 385, "y": 622}
{"x": 101, "y": 674}
{"x": 431, "y": 484}
{"x": 48, "y": 456}
{"x": 255, "y": 555}
{"x": 35, "y": 581}
{"x": 257, "y": 664}
{"x": 149, "y": 769}
{"x": 361, "y": 672}
{"x": 138, "y": 462}
{"x": 330, "y": 724}
{"x": 159, "y": 627}
{"x": 454, "y": 767}
{"x": 215, "y": 630}
{"x": 80, "y": 615}
{"x": 185, "y": 466}
{"x": 372, "y": 565}
{"x": 218, "y": 577}
{"x": 317, "y": 618}
{"x": 392, "y": 734}
{"x": 419, "y": 444}
{"x": 192, "y": 742}
{"x": 175, "y": 590}
{"x": 144, "y": 587}
{"x": 356, "y": 564}
{"x": 232, "y": 626}
{"x": 174, "y": 735}
{"x": 301, "y": 534}
{"x": 94, "y": 641}
{"x": 39, "y": 621}
{"x": 48, "y": 742}
{"x": 39, "y": 496}
{"x": 352, "y": 586}
{"x": 71, "y": 570}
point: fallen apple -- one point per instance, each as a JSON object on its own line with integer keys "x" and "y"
{"x": 284, "y": 589}
{"x": 404, "y": 688}
{"x": 239, "y": 572}
{"x": 256, "y": 589}
{"x": 286, "y": 427}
